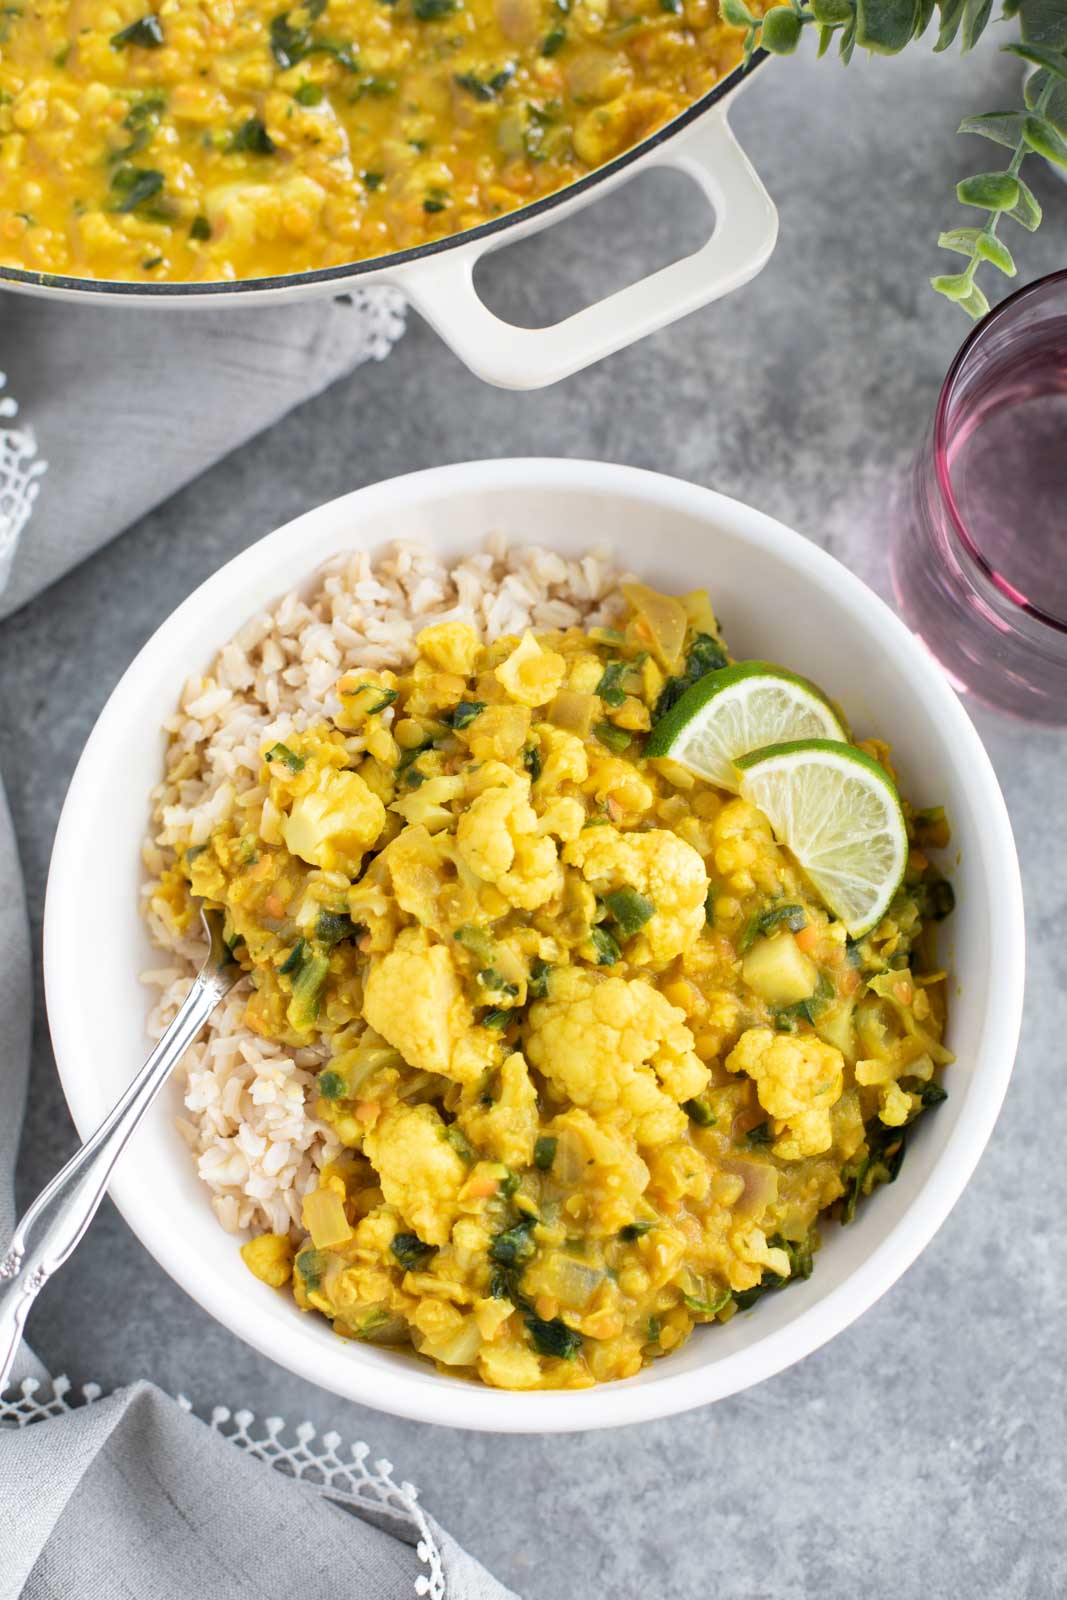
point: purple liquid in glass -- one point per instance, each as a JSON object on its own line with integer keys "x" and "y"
{"x": 980, "y": 558}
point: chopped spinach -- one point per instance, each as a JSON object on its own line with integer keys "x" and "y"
{"x": 252, "y": 136}
{"x": 308, "y": 94}
{"x": 705, "y": 655}
{"x": 200, "y": 228}
{"x": 881, "y": 1164}
{"x": 489, "y": 978}
{"x": 553, "y": 41}
{"x": 633, "y": 1230}
{"x": 554, "y": 1338}
{"x": 331, "y": 1085}
{"x": 333, "y": 926}
{"x": 485, "y": 88}
{"x": 699, "y": 1111}
{"x": 515, "y": 1245}
{"x": 147, "y": 32}
{"x": 762, "y": 1133}
{"x": 409, "y": 1250}
{"x": 433, "y": 10}
{"x": 465, "y": 712}
{"x": 708, "y": 1308}
{"x": 531, "y": 760}
{"x": 545, "y": 1152}
{"x": 133, "y": 187}
{"x": 373, "y": 180}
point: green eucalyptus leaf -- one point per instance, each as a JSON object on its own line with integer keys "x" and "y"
{"x": 975, "y": 16}
{"x": 1003, "y": 127}
{"x": 1026, "y": 210}
{"x": 951, "y": 17}
{"x": 886, "y": 26}
{"x": 953, "y": 285}
{"x": 926, "y": 11}
{"x": 1054, "y": 61}
{"x": 990, "y": 191}
{"x": 1044, "y": 22}
{"x": 990, "y": 248}
{"x": 963, "y": 240}
{"x": 781, "y": 31}
{"x": 825, "y": 37}
{"x": 833, "y": 13}
{"x": 976, "y": 305}
{"x": 736, "y": 13}
{"x": 848, "y": 42}
{"x": 1041, "y": 136}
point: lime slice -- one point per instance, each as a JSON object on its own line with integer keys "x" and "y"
{"x": 838, "y": 813}
{"x": 745, "y": 707}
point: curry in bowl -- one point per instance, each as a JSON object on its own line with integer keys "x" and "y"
{"x": 548, "y": 1051}
{"x": 188, "y": 142}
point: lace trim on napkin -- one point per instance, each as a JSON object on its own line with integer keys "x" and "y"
{"x": 20, "y": 474}
{"x": 340, "y": 1473}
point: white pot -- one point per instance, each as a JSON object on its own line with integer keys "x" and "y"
{"x": 438, "y": 279}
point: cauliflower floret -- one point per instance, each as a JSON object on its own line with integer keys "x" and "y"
{"x": 608, "y": 1044}
{"x": 452, "y": 646}
{"x": 798, "y": 1078}
{"x": 413, "y": 998}
{"x": 563, "y": 759}
{"x": 507, "y": 1129}
{"x": 744, "y": 851}
{"x": 563, "y": 817}
{"x": 599, "y": 1166}
{"x": 417, "y": 871}
{"x": 420, "y": 1173}
{"x": 660, "y": 866}
{"x": 530, "y": 674}
{"x": 335, "y": 823}
{"x": 498, "y": 839}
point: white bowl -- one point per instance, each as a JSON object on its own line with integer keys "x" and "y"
{"x": 779, "y": 597}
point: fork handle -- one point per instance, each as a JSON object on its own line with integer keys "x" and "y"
{"x": 57, "y": 1219}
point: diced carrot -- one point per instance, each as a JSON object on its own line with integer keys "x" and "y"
{"x": 848, "y": 981}
{"x": 368, "y": 1111}
{"x": 903, "y": 992}
{"x": 807, "y": 938}
{"x": 481, "y": 1188}
{"x": 273, "y": 906}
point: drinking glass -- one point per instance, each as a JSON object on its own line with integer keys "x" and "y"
{"x": 979, "y": 559}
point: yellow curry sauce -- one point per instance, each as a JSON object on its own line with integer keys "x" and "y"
{"x": 194, "y": 141}
{"x": 597, "y": 1054}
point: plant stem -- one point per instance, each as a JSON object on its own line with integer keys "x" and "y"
{"x": 1019, "y": 156}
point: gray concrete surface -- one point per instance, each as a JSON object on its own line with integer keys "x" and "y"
{"x": 923, "y": 1453}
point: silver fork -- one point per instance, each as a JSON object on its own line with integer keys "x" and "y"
{"x": 57, "y": 1219}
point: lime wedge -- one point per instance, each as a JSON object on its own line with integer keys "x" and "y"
{"x": 837, "y": 812}
{"x": 745, "y": 707}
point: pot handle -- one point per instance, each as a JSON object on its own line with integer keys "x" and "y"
{"x": 746, "y": 227}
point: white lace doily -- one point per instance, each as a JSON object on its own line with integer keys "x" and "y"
{"x": 20, "y": 474}
{"x": 343, "y": 1473}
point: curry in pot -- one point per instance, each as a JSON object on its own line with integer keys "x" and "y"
{"x": 203, "y": 142}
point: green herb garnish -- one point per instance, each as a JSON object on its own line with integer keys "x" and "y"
{"x": 699, "y": 1111}
{"x": 607, "y": 951}
{"x": 282, "y": 752}
{"x": 253, "y": 137}
{"x": 545, "y": 1152}
{"x": 147, "y": 32}
{"x": 409, "y": 1250}
{"x": 628, "y": 910}
{"x": 466, "y": 712}
{"x": 554, "y": 1338}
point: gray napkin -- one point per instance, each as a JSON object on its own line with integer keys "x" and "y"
{"x": 131, "y": 1495}
{"x": 128, "y": 404}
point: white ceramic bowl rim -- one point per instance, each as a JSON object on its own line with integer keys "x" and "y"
{"x": 410, "y": 1390}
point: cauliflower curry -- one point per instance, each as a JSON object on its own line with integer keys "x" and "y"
{"x": 176, "y": 141}
{"x": 597, "y": 1055}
